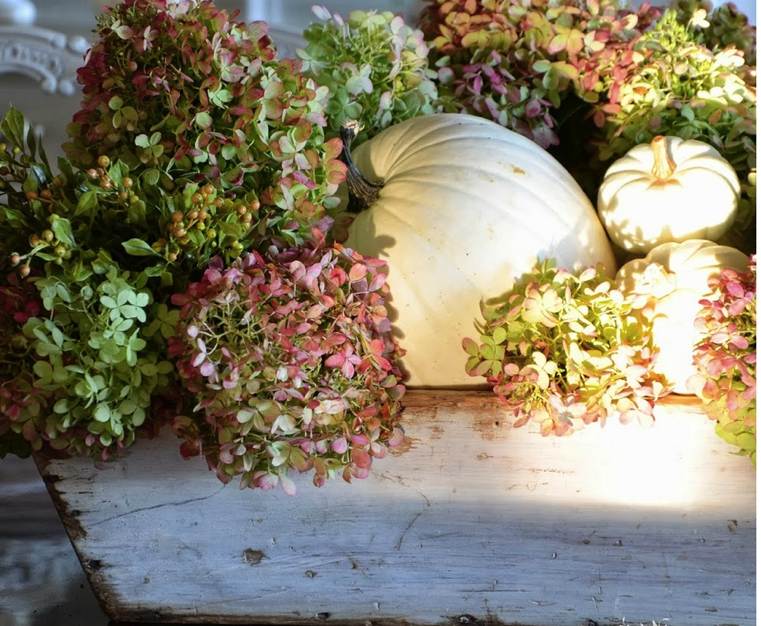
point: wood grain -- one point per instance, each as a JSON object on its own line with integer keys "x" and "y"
{"x": 477, "y": 522}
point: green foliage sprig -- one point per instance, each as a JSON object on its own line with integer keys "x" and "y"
{"x": 94, "y": 361}
{"x": 725, "y": 357}
{"x": 565, "y": 350}
{"x": 84, "y": 380}
{"x": 375, "y": 66}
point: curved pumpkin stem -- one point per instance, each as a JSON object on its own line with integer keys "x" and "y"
{"x": 362, "y": 192}
{"x": 664, "y": 165}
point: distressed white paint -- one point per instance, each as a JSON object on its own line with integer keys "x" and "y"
{"x": 476, "y": 519}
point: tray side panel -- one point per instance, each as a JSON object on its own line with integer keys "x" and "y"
{"x": 477, "y": 522}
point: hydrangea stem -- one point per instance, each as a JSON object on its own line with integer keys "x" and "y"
{"x": 362, "y": 192}
{"x": 663, "y": 165}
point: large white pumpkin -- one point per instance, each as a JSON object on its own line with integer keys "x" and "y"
{"x": 671, "y": 189}
{"x": 676, "y": 275}
{"x": 466, "y": 207}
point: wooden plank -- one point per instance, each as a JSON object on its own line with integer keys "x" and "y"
{"x": 477, "y": 522}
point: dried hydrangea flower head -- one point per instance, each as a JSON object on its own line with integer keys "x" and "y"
{"x": 375, "y": 65}
{"x": 566, "y": 349}
{"x": 514, "y": 63}
{"x": 182, "y": 93}
{"x": 725, "y": 358}
{"x": 292, "y": 364}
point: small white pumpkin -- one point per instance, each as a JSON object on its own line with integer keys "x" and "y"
{"x": 676, "y": 275}
{"x": 671, "y": 189}
{"x": 466, "y": 206}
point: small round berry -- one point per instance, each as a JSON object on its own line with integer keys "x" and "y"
{"x": 48, "y": 235}
{"x": 104, "y": 161}
{"x": 24, "y": 270}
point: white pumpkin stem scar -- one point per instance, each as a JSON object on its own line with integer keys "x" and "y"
{"x": 362, "y": 192}
{"x": 663, "y": 166}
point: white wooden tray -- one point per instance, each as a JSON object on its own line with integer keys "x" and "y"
{"x": 476, "y": 523}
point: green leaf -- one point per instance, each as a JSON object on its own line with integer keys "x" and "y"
{"x": 102, "y": 413}
{"x": 566, "y": 70}
{"x": 470, "y": 346}
{"x": 127, "y": 407}
{"x": 43, "y": 371}
{"x": 203, "y": 119}
{"x": 57, "y": 335}
{"x": 61, "y": 227}
{"x": 141, "y": 141}
{"x": 12, "y": 126}
{"x": 220, "y": 97}
{"x": 115, "y": 103}
{"x": 151, "y": 177}
{"x": 229, "y": 151}
{"x": 499, "y": 335}
{"x": 86, "y": 203}
{"x": 138, "y": 247}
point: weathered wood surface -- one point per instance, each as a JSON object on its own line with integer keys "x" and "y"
{"x": 476, "y": 522}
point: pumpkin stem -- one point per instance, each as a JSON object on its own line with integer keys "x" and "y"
{"x": 664, "y": 165}
{"x": 362, "y": 192}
